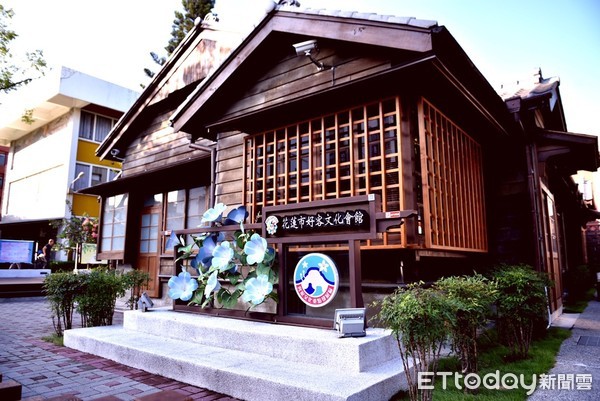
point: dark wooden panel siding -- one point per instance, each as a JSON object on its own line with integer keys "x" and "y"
{"x": 297, "y": 77}
{"x": 194, "y": 66}
{"x": 158, "y": 147}
{"x": 167, "y": 267}
{"x": 229, "y": 169}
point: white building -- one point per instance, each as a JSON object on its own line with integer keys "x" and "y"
{"x": 53, "y": 127}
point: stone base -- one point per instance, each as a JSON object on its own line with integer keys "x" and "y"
{"x": 250, "y": 360}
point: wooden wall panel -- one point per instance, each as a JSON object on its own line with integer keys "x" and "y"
{"x": 158, "y": 146}
{"x": 453, "y": 187}
{"x": 297, "y": 77}
{"x": 229, "y": 168}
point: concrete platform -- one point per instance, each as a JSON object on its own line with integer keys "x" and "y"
{"x": 250, "y": 360}
{"x": 16, "y": 287}
{"x": 24, "y": 273}
{"x": 566, "y": 320}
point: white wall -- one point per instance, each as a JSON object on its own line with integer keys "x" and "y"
{"x": 37, "y": 176}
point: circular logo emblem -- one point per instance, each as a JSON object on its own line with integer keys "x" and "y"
{"x": 271, "y": 224}
{"x": 316, "y": 279}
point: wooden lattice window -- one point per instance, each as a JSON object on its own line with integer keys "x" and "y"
{"x": 453, "y": 193}
{"x": 352, "y": 152}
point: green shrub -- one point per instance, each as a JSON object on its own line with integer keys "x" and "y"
{"x": 96, "y": 301}
{"x": 417, "y": 317}
{"x": 134, "y": 280}
{"x": 61, "y": 291}
{"x": 521, "y": 305}
{"x": 470, "y": 299}
{"x": 57, "y": 266}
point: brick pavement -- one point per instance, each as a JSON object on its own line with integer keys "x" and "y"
{"x": 47, "y": 370}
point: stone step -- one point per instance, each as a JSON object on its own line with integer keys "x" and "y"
{"x": 239, "y": 373}
{"x": 274, "y": 340}
{"x": 10, "y": 390}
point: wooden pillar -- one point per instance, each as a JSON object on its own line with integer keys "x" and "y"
{"x": 281, "y": 286}
{"x": 356, "y": 299}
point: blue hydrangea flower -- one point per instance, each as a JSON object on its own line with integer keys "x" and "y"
{"x": 255, "y": 249}
{"x": 182, "y": 286}
{"x": 222, "y": 255}
{"x": 212, "y": 285}
{"x": 257, "y": 288}
{"x": 213, "y": 214}
{"x": 236, "y": 216}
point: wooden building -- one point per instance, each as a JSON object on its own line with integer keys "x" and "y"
{"x": 377, "y": 105}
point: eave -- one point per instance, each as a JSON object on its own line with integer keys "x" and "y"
{"x": 575, "y": 151}
{"x": 429, "y": 45}
{"x": 55, "y": 95}
{"x": 151, "y": 94}
{"x": 365, "y": 32}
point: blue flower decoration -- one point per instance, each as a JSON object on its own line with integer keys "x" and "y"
{"x": 205, "y": 253}
{"x": 182, "y": 286}
{"x": 222, "y": 255}
{"x": 172, "y": 241}
{"x": 212, "y": 284}
{"x": 213, "y": 214}
{"x": 234, "y": 269}
{"x": 257, "y": 288}
{"x": 255, "y": 249}
{"x": 236, "y": 216}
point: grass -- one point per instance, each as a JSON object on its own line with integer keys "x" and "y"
{"x": 492, "y": 358}
{"x": 579, "y": 305}
{"x": 54, "y": 339}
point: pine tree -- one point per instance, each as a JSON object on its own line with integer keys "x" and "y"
{"x": 182, "y": 24}
{"x": 184, "y": 21}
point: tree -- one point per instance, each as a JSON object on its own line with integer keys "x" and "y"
{"x": 182, "y": 24}
{"x": 15, "y": 73}
{"x": 75, "y": 230}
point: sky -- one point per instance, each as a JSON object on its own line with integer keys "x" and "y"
{"x": 506, "y": 39}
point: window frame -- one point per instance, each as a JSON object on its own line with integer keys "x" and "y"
{"x": 113, "y": 253}
{"x": 166, "y": 232}
{"x": 94, "y": 135}
{"x": 453, "y": 210}
{"x": 86, "y": 181}
{"x": 336, "y": 155}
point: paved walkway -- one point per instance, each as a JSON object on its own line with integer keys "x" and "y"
{"x": 47, "y": 370}
{"x": 577, "y": 361}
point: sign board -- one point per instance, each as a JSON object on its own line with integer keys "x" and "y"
{"x": 328, "y": 220}
{"x": 16, "y": 251}
{"x": 88, "y": 255}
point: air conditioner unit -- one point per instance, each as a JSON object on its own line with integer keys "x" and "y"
{"x": 350, "y": 322}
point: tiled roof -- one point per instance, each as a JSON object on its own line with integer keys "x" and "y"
{"x": 411, "y": 21}
{"x": 534, "y": 86}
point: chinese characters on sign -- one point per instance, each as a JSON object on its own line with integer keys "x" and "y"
{"x": 317, "y": 222}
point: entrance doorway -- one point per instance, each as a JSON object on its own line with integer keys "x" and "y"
{"x": 148, "y": 256}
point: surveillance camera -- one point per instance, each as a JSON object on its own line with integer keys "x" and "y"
{"x": 305, "y": 48}
{"x": 115, "y": 152}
